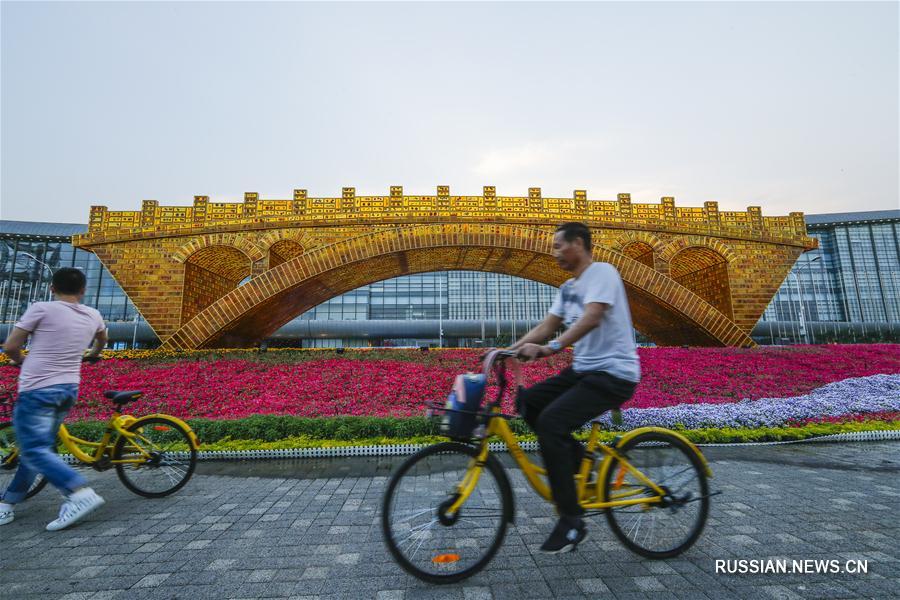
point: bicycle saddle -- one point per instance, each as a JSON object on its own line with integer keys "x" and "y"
{"x": 123, "y": 397}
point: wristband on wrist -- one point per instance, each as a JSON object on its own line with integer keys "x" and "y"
{"x": 554, "y": 345}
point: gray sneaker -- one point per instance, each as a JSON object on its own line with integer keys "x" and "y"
{"x": 79, "y": 505}
{"x": 7, "y": 514}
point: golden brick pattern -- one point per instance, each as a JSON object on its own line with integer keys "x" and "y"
{"x": 704, "y": 272}
{"x": 694, "y": 275}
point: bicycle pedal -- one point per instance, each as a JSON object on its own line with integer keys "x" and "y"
{"x": 102, "y": 464}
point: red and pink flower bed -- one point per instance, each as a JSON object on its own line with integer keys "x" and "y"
{"x": 400, "y": 383}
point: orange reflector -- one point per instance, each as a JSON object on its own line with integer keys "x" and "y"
{"x": 620, "y": 478}
{"x": 445, "y": 558}
{"x": 161, "y": 428}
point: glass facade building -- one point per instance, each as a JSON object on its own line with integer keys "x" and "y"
{"x": 30, "y": 252}
{"x": 846, "y": 290}
{"x": 438, "y": 300}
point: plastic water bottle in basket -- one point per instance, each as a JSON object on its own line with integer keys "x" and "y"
{"x": 463, "y": 404}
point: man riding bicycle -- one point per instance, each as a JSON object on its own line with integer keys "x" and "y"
{"x": 604, "y": 373}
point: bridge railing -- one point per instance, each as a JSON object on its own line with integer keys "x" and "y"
{"x": 353, "y": 209}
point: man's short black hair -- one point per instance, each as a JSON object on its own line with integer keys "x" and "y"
{"x": 574, "y": 230}
{"x": 69, "y": 280}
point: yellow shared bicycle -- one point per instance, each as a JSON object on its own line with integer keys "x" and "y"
{"x": 154, "y": 455}
{"x": 446, "y": 509}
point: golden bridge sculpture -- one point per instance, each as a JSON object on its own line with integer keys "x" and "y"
{"x": 694, "y": 275}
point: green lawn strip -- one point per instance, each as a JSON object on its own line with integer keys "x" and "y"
{"x": 279, "y": 432}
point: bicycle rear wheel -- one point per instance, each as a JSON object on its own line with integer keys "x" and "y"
{"x": 158, "y": 460}
{"x": 9, "y": 461}
{"x": 428, "y": 541}
{"x": 668, "y": 528}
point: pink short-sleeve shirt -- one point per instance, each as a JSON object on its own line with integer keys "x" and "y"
{"x": 60, "y": 333}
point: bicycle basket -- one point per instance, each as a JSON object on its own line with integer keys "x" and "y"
{"x": 463, "y": 405}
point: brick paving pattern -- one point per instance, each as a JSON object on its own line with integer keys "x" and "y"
{"x": 310, "y": 529}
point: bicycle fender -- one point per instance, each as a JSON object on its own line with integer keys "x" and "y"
{"x": 689, "y": 443}
{"x": 195, "y": 441}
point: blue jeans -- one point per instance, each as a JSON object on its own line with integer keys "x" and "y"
{"x": 36, "y": 420}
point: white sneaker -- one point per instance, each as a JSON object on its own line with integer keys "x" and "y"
{"x": 7, "y": 514}
{"x": 79, "y": 505}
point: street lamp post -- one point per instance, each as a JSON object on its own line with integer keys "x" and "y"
{"x": 482, "y": 303}
{"x": 137, "y": 316}
{"x": 802, "y": 332}
{"x": 512, "y": 327}
{"x": 792, "y": 273}
{"x": 43, "y": 264}
{"x": 440, "y": 311}
{"x": 40, "y": 262}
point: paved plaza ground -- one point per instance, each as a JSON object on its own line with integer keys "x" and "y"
{"x": 310, "y": 529}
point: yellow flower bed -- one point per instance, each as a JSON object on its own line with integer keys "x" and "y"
{"x": 177, "y": 354}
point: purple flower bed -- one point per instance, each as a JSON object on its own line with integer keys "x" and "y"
{"x": 855, "y": 396}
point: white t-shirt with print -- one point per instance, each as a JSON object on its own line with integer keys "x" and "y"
{"x": 610, "y": 346}
{"x": 60, "y": 333}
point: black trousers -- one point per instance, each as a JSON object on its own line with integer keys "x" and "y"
{"x": 558, "y": 406}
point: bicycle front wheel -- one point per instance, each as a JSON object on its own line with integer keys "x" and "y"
{"x": 158, "y": 460}
{"x": 9, "y": 461}
{"x": 422, "y": 530}
{"x": 658, "y": 529}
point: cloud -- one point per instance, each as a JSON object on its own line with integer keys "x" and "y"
{"x": 503, "y": 161}
{"x": 542, "y": 156}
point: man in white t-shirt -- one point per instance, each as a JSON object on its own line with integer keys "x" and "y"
{"x": 60, "y": 332}
{"x": 604, "y": 373}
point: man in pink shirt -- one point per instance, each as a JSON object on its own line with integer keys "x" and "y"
{"x": 48, "y": 387}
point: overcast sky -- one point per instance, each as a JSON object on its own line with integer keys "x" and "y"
{"x": 788, "y": 106}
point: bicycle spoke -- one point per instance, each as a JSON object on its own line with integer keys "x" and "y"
{"x": 162, "y": 466}
{"x": 687, "y": 469}
{"x": 416, "y": 514}
{"x": 417, "y": 530}
{"x": 671, "y": 525}
{"x": 422, "y": 539}
{"x": 427, "y": 538}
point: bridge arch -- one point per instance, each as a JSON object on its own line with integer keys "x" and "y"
{"x": 668, "y": 252}
{"x": 209, "y": 274}
{"x": 641, "y": 252}
{"x": 704, "y": 271}
{"x": 283, "y": 251}
{"x": 267, "y": 240}
{"x": 638, "y": 236}
{"x": 663, "y": 309}
{"x": 642, "y": 246}
{"x": 233, "y": 240}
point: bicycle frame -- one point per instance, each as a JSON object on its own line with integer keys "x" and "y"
{"x": 116, "y": 426}
{"x": 588, "y": 499}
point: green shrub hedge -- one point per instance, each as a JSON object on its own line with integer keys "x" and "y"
{"x": 315, "y": 432}
{"x": 276, "y": 427}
